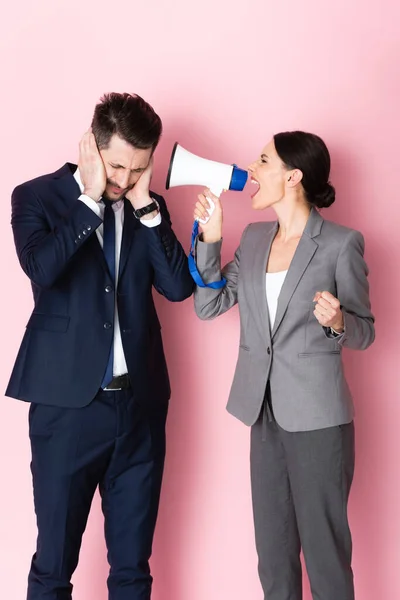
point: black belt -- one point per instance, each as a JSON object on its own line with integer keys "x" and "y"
{"x": 120, "y": 382}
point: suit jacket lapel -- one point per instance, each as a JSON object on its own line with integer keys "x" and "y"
{"x": 68, "y": 190}
{"x": 131, "y": 224}
{"x": 305, "y": 251}
{"x": 261, "y": 251}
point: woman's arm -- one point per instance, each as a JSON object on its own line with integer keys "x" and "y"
{"x": 208, "y": 302}
{"x": 353, "y": 293}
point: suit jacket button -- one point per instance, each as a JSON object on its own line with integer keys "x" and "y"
{"x": 107, "y": 325}
{"x": 84, "y": 232}
{"x": 108, "y": 288}
{"x": 79, "y": 236}
{"x": 268, "y": 350}
{"x": 89, "y": 227}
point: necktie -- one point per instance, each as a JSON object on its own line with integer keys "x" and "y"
{"x": 109, "y": 255}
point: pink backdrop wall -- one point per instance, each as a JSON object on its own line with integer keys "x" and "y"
{"x": 224, "y": 78}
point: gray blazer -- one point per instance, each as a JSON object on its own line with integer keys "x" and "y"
{"x": 301, "y": 359}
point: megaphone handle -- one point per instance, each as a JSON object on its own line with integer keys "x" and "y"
{"x": 217, "y": 192}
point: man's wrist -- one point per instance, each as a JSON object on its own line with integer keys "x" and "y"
{"x": 149, "y": 210}
{"x": 150, "y": 216}
{"x": 141, "y": 202}
{"x": 93, "y": 194}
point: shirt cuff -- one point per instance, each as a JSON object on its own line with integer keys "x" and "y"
{"x": 152, "y": 222}
{"x": 336, "y": 333}
{"x": 90, "y": 203}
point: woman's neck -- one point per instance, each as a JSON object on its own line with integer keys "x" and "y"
{"x": 292, "y": 219}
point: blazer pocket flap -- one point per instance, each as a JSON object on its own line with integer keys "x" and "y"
{"x": 321, "y": 353}
{"x": 56, "y": 323}
{"x": 244, "y": 347}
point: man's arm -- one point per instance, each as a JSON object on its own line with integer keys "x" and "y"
{"x": 43, "y": 252}
{"x": 172, "y": 278}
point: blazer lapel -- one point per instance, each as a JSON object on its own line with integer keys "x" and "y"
{"x": 305, "y": 251}
{"x": 261, "y": 251}
{"x": 131, "y": 224}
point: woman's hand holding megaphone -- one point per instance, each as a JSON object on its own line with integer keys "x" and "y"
{"x": 211, "y": 224}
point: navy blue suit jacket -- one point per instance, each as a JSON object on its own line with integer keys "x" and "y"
{"x": 64, "y": 352}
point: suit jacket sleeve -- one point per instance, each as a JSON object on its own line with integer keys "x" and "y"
{"x": 210, "y": 303}
{"x": 353, "y": 293}
{"x": 172, "y": 277}
{"x": 43, "y": 252}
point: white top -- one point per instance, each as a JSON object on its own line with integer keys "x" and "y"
{"x": 273, "y": 284}
{"x": 120, "y": 367}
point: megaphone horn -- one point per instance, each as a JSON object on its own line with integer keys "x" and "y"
{"x": 186, "y": 168}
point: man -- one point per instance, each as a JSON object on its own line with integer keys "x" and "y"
{"x": 94, "y": 240}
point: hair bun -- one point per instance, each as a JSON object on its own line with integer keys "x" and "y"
{"x": 326, "y": 197}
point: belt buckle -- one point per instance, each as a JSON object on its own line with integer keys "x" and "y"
{"x": 111, "y": 388}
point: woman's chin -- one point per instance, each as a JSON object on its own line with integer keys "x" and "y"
{"x": 257, "y": 202}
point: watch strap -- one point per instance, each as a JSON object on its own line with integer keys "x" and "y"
{"x": 146, "y": 210}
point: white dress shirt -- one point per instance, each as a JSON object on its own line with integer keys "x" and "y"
{"x": 273, "y": 285}
{"x": 120, "y": 367}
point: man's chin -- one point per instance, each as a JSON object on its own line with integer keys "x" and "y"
{"x": 113, "y": 196}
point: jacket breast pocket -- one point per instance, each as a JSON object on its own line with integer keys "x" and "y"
{"x": 56, "y": 323}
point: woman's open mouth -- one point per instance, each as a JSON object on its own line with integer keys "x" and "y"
{"x": 255, "y": 182}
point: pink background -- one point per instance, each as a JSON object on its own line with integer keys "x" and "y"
{"x": 223, "y": 78}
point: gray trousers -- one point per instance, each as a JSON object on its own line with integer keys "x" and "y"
{"x": 300, "y": 488}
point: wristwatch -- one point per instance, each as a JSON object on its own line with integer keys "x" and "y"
{"x": 336, "y": 333}
{"x": 146, "y": 210}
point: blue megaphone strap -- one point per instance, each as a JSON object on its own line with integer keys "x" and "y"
{"x": 216, "y": 285}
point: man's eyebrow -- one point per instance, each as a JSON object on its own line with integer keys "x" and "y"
{"x": 118, "y": 166}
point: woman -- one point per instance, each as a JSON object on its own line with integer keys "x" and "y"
{"x": 303, "y": 295}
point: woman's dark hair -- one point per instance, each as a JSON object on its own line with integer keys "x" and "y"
{"x": 129, "y": 117}
{"x": 308, "y": 153}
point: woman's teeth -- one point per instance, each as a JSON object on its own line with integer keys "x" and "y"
{"x": 258, "y": 186}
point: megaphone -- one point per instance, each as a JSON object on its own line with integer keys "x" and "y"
{"x": 186, "y": 168}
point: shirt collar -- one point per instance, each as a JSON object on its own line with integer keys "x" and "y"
{"x": 77, "y": 177}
